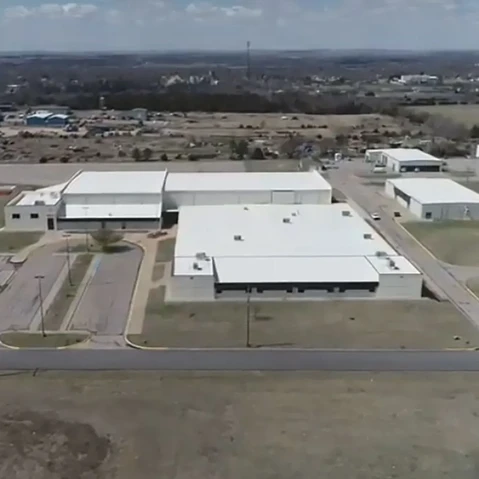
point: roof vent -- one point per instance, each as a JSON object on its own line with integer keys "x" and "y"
{"x": 286, "y": 220}
{"x": 238, "y": 238}
{"x": 196, "y": 266}
{"x": 381, "y": 254}
{"x": 201, "y": 256}
{"x": 39, "y": 203}
{"x": 294, "y": 213}
{"x": 367, "y": 236}
{"x": 246, "y": 208}
{"x": 346, "y": 213}
{"x": 391, "y": 263}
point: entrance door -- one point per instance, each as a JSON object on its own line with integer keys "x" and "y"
{"x": 50, "y": 224}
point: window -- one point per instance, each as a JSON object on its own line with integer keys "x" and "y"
{"x": 15, "y": 216}
{"x": 428, "y": 215}
{"x": 34, "y": 216}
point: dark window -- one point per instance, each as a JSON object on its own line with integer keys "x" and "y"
{"x": 15, "y": 216}
{"x": 428, "y": 215}
{"x": 34, "y": 216}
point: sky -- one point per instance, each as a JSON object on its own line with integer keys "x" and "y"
{"x": 139, "y": 25}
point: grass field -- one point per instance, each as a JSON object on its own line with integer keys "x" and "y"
{"x": 455, "y": 242}
{"x": 465, "y": 114}
{"x": 236, "y": 426}
{"x": 36, "y": 340}
{"x": 323, "y": 324}
{"x": 13, "y": 241}
{"x": 59, "y": 308}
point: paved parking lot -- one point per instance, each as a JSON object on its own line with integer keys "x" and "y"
{"x": 20, "y": 301}
{"x": 105, "y": 303}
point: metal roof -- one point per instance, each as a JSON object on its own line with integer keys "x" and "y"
{"x": 50, "y": 196}
{"x": 250, "y": 181}
{"x": 410, "y": 154}
{"x": 117, "y": 182}
{"x": 435, "y": 190}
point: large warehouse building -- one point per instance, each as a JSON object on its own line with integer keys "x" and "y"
{"x": 136, "y": 200}
{"x": 404, "y": 160}
{"x": 434, "y": 198}
{"x": 285, "y": 252}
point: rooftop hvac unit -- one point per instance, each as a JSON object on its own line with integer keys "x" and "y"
{"x": 391, "y": 263}
{"x": 346, "y": 213}
{"x": 196, "y": 266}
{"x": 286, "y": 220}
{"x": 381, "y": 254}
{"x": 238, "y": 238}
{"x": 39, "y": 203}
{"x": 201, "y": 256}
{"x": 367, "y": 236}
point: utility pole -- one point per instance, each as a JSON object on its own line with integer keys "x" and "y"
{"x": 248, "y": 316}
{"x": 248, "y": 60}
{"x": 66, "y": 236}
{"x": 39, "y": 277}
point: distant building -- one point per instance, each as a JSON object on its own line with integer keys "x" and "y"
{"x": 140, "y": 114}
{"x": 47, "y": 119}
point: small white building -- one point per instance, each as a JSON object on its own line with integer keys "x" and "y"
{"x": 404, "y": 160}
{"x": 434, "y": 198}
{"x": 129, "y": 200}
{"x": 285, "y": 252}
{"x": 189, "y": 189}
{"x": 34, "y": 210}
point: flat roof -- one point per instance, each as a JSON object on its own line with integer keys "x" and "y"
{"x": 283, "y": 243}
{"x": 410, "y": 154}
{"x": 318, "y": 269}
{"x": 435, "y": 190}
{"x": 276, "y": 181}
{"x": 117, "y": 182}
{"x": 313, "y": 230}
{"x": 103, "y": 211}
{"x": 50, "y": 196}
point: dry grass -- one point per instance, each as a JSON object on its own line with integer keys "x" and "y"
{"x": 14, "y": 241}
{"x": 58, "y": 309}
{"x": 165, "y": 250}
{"x": 320, "y": 324}
{"x": 37, "y": 340}
{"x": 242, "y": 425}
{"x": 465, "y": 114}
{"x": 158, "y": 272}
{"x": 454, "y": 242}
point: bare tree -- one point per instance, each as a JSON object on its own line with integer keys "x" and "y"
{"x": 136, "y": 154}
{"x": 106, "y": 238}
{"x": 147, "y": 154}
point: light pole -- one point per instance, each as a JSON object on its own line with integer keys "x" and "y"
{"x": 39, "y": 277}
{"x": 248, "y": 311}
{"x": 66, "y": 236}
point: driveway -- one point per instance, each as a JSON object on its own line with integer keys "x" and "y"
{"x": 105, "y": 304}
{"x": 20, "y": 301}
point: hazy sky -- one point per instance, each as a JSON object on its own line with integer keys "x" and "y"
{"x": 227, "y": 24}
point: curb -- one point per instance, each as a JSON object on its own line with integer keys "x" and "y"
{"x": 18, "y": 348}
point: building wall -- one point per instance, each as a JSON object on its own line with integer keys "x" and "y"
{"x": 116, "y": 199}
{"x": 399, "y": 286}
{"x": 449, "y": 211}
{"x": 93, "y": 225}
{"x": 28, "y": 223}
{"x": 41, "y": 122}
{"x": 175, "y": 199}
{"x": 420, "y": 165}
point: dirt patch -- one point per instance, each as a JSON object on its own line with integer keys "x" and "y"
{"x": 40, "y": 445}
{"x": 37, "y": 340}
{"x": 454, "y": 242}
{"x": 320, "y": 324}
{"x": 13, "y": 241}
{"x": 165, "y": 250}
{"x": 158, "y": 272}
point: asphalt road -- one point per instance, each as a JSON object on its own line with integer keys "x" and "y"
{"x": 19, "y": 302}
{"x": 105, "y": 304}
{"x": 238, "y": 360}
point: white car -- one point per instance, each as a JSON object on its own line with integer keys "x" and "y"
{"x": 376, "y": 216}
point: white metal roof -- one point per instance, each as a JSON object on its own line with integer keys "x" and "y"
{"x": 295, "y": 270}
{"x": 435, "y": 190}
{"x": 275, "y": 181}
{"x": 410, "y": 154}
{"x": 185, "y": 267}
{"x": 117, "y": 182}
{"x": 313, "y": 230}
{"x": 125, "y": 211}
